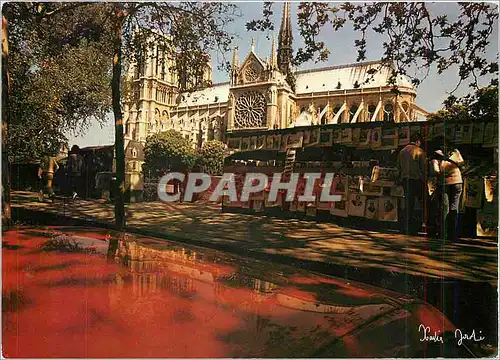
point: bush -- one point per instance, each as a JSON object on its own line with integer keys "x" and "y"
{"x": 211, "y": 157}
{"x": 168, "y": 151}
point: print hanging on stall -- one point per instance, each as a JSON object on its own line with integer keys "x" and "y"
{"x": 388, "y": 209}
{"x": 371, "y": 211}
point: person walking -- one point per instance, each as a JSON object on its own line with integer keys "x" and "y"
{"x": 74, "y": 171}
{"x": 48, "y": 166}
{"x": 435, "y": 186}
{"x": 411, "y": 166}
{"x": 452, "y": 186}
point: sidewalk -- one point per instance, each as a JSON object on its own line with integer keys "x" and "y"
{"x": 472, "y": 260}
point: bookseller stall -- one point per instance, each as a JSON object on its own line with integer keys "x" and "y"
{"x": 363, "y": 157}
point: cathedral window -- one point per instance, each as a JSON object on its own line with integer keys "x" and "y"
{"x": 371, "y": 111}
{"x": 352, "y": 111}
{"x": 250, "y": 110}
{"x": 388, "y": 112}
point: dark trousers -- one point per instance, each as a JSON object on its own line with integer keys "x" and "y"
{"x": 74, "y": 184}
{"x": 451, "y": 201}
{"x": 414, "y": 189}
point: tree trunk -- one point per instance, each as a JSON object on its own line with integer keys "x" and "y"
{"x": 6, "y": 213}
{"x": 119, "y": 139}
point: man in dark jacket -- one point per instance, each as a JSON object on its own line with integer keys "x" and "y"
{"x": 74, "y": 171}
{"x": 412, "y": 165}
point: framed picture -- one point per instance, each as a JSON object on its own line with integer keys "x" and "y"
{"x": 314, "y": 137}
{"x": 376, "y": 138}
{"x": 357, "y": 204}
{"x": 364, "y": 138}
{"x": 371, "y": 210}
{"x": 473, "y": 193}
{"x": 234, "y": 144}
{"x": 245, "y": 144}
{"x": 477, "y": 133}
{"x": 311, "y": 210}
{"x": 326, "y": 138}
{"x": 346, "y": 136}
{"x": 403, "y": 135}
{"x": 339, "y": 208}
{"x": 307, "y": 137}
{"x": 295, "y": 141}
{"x": 253, "y": 143}
{"x": 397, "y": 191}
{"x": 261, "y": 142}
{"x": 337, "y": 136}
{"x": 388, "y": 208}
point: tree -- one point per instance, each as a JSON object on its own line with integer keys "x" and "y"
{"x": 211, "y": 157}
{"x": 185, "y": 28}
{"x": 480, "y": 106}
{"x": 60, "y": 76}
{"x": 415, "y": 35}
{"x": 168, "y": 151}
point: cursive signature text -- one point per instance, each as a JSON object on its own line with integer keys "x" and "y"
{"x": 472, "y": 336}
{"x": 426, "y": 336}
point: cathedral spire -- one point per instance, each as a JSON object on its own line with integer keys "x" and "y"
{"x": 235, "y": 62}
{"x": 285, "y": 40}
{"x": 273, "y": 61}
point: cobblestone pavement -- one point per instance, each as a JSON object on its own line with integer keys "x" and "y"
{"x": 473, "y": 260}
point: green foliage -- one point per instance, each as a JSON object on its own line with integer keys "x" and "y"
{"x": 59, "y": 68}
{"x": 480, "y": 106}
{"x": 417, "y": 35}
{"x": 211, "y": 157}
{"x": 168, "y": 151}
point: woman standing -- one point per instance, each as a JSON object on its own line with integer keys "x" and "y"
{"x": 452, "y": 183}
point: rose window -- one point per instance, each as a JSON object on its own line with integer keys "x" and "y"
{"x": 250, "y": 110}
{"x": 251, "y": 74}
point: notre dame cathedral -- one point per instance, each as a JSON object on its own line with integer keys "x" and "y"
{"x": 261, "y": 94}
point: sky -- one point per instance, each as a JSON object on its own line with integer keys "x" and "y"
{"x": 430, "y": 94}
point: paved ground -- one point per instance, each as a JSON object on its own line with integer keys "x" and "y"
{"x": 472, "y": 260}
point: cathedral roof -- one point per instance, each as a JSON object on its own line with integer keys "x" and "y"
{"x": 347, "y": 77}
{"x": 217, "y": 93}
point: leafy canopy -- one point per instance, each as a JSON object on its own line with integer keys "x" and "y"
{"x": 415, "y": 35}
{"x": 168, "y": 151}
{"x": 211, "y": 157}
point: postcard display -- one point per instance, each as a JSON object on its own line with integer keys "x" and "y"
{"x": 375, "y": 197}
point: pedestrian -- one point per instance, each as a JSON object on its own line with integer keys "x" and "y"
{"x": 411, "y": 166}
{"x": 435, "y": 186}
{"x": 452, "y": 186}
{"x": 48, "y": 166}
{"x": 74, "y": 171}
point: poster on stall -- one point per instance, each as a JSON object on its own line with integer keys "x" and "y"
{"x": 258, "y": 206}
{"x": 490, "y": 188}
{"x": 389, "y": 139}
{"x": 301, "y": 206}
{"x": 449, "y": 132}
{"x": 337, "y": 136}
{"x": 364, "y": 138}
{"x": 339, "y": 208}
{"x": 346, "y": 136}
{"x": 371, "y": 211}
{"x": 314, "y": 138}
{"x": 253, "y": 143}
{"x": 293, "y": 206}
{"x": 234, "y": 144}
{"x": 376, "y": 138}
{"x": 473, "y": 194}
{"x": 354, "y": 183}
{"x": 295, "y": 141}
{"x": 490, "y": 135}
{"x": 357, "y": 204}
{"x": 403, "y": 135}
{"x": 283, "y": 143}
{"x": 339, "y": 185}
{"x": 477, "y": 133}
{"x": 388, "y": 209}
{"x": 463, "y": 134}
{"x": 384, "y": 176}
{"x": 245, "y": 144}
{"x": 437, "y": 130}
{"x": 397, "y": 191}
{"x": 326, "y": 138}
{"x": 372, "y": 189}
{"x": 311, "y": 210}
{"x": 261, "y": 142}
{"x": 487, "y": 220}
{"x": 307, "y": 137}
